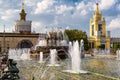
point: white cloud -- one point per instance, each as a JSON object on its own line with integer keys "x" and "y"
{"x": 63, "y": 8}
{"x": 8, "y": 29}
{"x": 118, "y": 7}
{"x": 36, "y": 24}
{"x": 114, "y": 23}
{"x": 43, "y": 6}
{"x": 9, "y": 14}
{"x": 83, "y": 8}
{"x": 87, "y": 6}
{"x": 80, "y": 6}
{"x": 56, "y": 12}
{"x": 29, "y": 2}
{"x": 1, "y": 2}
{"x": 83, "y": 12}
{"x": 106, "y": 4}
{"x": 39, "y": 27}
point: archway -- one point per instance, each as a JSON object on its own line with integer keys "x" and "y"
{"x": 24, "y": 44}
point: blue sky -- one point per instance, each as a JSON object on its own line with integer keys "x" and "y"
{"x": 72, "y": 14}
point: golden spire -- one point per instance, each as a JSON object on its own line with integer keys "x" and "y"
{"x": 97, "y": 9}
{"x": 22, "y": 6}
{"x": 22, "y": 14}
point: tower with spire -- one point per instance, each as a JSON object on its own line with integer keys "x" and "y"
{"x": 22, "y": 14}
{"x": 98, "y": 37}
{"x": 23, "y": 26}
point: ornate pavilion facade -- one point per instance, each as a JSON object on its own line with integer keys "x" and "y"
{"x": 98, "y": 36}
{"x": 23, "y": 37}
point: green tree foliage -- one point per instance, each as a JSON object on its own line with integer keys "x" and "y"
{"x": 116, "y": 46}
{"x": 77, "y": 35}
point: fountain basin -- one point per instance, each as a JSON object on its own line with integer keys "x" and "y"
{"x": 53, "y": 65}
{"x": 76, "y": 72}
{"x": 41, "y": 62}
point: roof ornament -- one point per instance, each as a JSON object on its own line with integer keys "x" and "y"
{"x": 22, "y": 6}
{"x": 97, "y": 9}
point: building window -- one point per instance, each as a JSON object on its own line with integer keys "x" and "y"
{"x": 92, "y": 44}
{"x": 100, "y": 29}
{"x": 92, "y": 30}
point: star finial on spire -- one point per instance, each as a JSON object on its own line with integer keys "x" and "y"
{"x": 97, "y": 9}
{"x": 96, "y": 3}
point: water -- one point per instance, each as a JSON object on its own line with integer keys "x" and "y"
{"x": 118, "y": 54}
{"x": 100, "y": 69}
{"x": 75, "y": 56}
{"x": 42, "y": 42}
{"x": 107, "y": 71}
{"x": 82, "y": 52}
{"x": 53, "y": 39}
{"x": 41, "y": 57}
{"x": 63, "y": 43}
{"x": 101, "y": 53}
{"x": 19, "y": 54}
{"x": 75, "y": 51}
{"x": 97, "y": 66}
{"x": 53, "y": 57}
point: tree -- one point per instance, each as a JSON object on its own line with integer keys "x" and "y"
{"x": 115, "y": 47}
{"x": 77, "y": 35}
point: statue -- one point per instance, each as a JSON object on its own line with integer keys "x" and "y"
{"x": 11, "y": 71}
{"x": 82, "y": 48}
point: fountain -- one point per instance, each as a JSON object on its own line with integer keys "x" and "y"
{"x": 25, "y": 55}
{"x": 118, "y": 54}
{"x": 41, "y": 42}
{"x": 75, "y": 53}
{"x": 48, "y": 70}
{"x": 41, "y": 58}
{"x": 19, "y": 54}
{"x": 53, "y": 40}
{"x": 75, "y": 56}
{"x": 53, "y": 58}
{"x": 101, "y": 53}
{"x": 82, "y": 49}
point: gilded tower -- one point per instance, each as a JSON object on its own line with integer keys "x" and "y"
{"x": 98, "y": 37}
{"x": 23, "y": 14}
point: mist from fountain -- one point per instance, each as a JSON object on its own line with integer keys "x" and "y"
{"x": 19, "y": 54}
{"x": 53, "y": 58}
{"x": 25, "y": 55}
{"x": 118, "y": 54}
{"x": 49, "y": 40}
{"x": 63, "y": 43}
{"x": 75, "y": 51}
{"x": 102, "y": 53}
{"x": 42, "y": 42}
{"x": 75, "y": 56}
{"x": 41, "y": 57}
